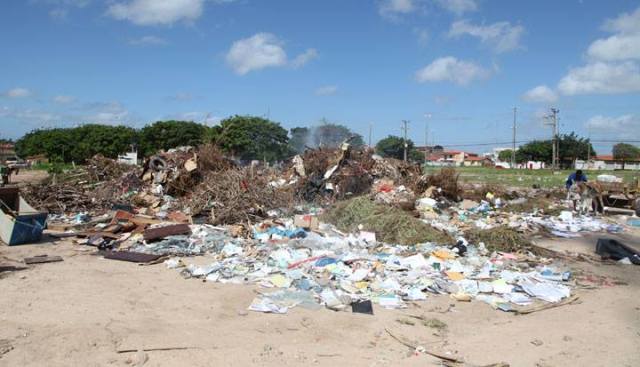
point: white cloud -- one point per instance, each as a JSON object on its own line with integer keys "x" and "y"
{"x": 458, "y": 7}
{"x": 616, "y": 47}
{"x": 613, "y": 64}
{"x": 326, "y": 90}
{"x": 601, "y": 78}
{"x": 152, "y": 12}
{"x": 501, "y": 36}
{"x": 195, "y": 116}
{"x": 148, "y": 41}
{"x": 624, "y": 126}
{"x": 304, "y": 57}
{"x": 17, "y": 93}
{"x": 113, "y": 113}
{"x": 62, "y": 99}
{"x": 396, "y": 7}
{"x": 257, "y": 52}
{"x": 451, "y": 69}
{"x": 624, "y": 44}
{"x": 263, "y": 50}
{"x": 624, "y": 23}
{"x": 540, "y": 94}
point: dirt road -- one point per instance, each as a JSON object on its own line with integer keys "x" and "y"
{"x": 85, "y": 309}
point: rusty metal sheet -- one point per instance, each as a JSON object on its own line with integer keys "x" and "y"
{"x": 41, "y": 259}
{"x": 134, "y": 257}
{"x": 162, "y": 232}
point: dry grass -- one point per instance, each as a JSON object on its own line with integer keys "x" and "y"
{"x": 391, "y": 225}
{"x": 503, "y": 239}
{"x": 447, "y": 179}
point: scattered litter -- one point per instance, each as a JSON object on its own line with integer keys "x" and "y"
{"x": 362, "y": 307}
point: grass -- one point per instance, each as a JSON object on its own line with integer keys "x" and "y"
{"x": 391, "y": 225}
{"x": 52, "y": 166}
{"x": 502, "y": 239}
{"x": 527, "y": 178}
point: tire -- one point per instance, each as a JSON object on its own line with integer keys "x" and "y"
{"x": 637, "y": 207}
{"x": 157, "y": 164}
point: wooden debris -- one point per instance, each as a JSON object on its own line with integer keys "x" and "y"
{"x": 41, "y": 259}
{"x": 547, "y": 306}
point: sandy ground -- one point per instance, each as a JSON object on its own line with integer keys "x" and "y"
{"x": 80, "y": 312}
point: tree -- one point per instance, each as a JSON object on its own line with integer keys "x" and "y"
{"x": 505, "y": 155}
{"x": 536, "y": 150}
{"x": 77, "y": 144}
{"x": 299, "y": 139}
{"x": 251, "y": 137}
{"x": 625, "y": 152}
{"x": 393, "y": 147}
{"x": 329, "y": 135}
{"x": 171, "y": 134}
{"x": 573, "y": 147}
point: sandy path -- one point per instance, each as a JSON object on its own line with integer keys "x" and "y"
{"x": 81, "y": 311}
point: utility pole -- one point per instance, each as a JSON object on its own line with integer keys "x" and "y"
{"x": 370, "y": 133}
{"x": 426, "y": 137}
{"x": 555, "y": 146}
{"x": 589, "y": 146}
{"x": 405, "y": 128}
{"x": 513, "y": 146}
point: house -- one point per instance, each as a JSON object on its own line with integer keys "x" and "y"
{"x": 37, "y": 159}
{"x": 456, "y": 158}
{"x": 607, "y": 162}
{"x": 7, "y": 150}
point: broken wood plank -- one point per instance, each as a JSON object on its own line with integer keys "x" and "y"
{"x": 162, "y": 232}
{"x": 4, "y": 268}
{"x": 135, "y": 257}
{"x": 422, "y": 349}
{"x": 120, "y": 351}
{"x": 41, "y": 259}
{"x": 532, "y": 309}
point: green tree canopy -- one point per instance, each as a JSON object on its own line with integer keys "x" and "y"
{"x": 171, "y": 134}
{"x": 251, "y": 137}
{"x": 625, "y": 152}
{"x": 571, "y": 146}
{"x": 77, "y": 144}
{"x": 505, "y": 155}
{"x": 393, "y": 147}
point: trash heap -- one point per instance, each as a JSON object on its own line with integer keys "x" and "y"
{"x": 337, "y": 228}
{"x": 325, "y": 267}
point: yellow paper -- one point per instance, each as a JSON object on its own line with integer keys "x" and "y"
{"x": 454, "y": 275}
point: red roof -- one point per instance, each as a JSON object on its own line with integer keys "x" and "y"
{"x": 473, "y": 158}
{"x": 603, "y": 158}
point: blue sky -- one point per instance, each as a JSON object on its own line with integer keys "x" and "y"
{"x": 458, "y": 65}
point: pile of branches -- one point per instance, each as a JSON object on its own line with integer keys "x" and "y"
{"x": 447, "y": 179}
{"x": 351, "y": 176}
{"x": 100, "y": 168}
{"x": 64, "y": 197}
{"x": 236, "y": 196}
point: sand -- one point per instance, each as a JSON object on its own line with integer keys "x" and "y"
{"x": 82, "y": 311}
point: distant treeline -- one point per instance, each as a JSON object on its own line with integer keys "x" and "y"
{"x": 243, "y": 137}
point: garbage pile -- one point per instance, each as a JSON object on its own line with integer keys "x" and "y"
{"x": 333, "y": 228}
{"x": 311, "y": 269}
